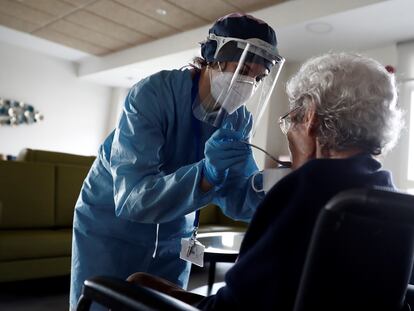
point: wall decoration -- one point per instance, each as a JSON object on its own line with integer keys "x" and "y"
{"x": 14, "y": 112}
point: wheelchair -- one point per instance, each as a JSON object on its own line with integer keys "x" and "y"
{"x": 360, "y": 258}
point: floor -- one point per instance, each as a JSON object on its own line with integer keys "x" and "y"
{"x": 53, "y": 294}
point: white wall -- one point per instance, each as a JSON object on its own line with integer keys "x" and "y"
{"x": 118, "y": 96}
{"x": 405, "y": 78}
{"x": 76, "y": 112}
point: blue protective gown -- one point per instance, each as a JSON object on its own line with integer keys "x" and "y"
{"x": 139, "y": 197}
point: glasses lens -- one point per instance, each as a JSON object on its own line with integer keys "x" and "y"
{"x": 285, "y": 121}
{"x": 284, "y": 124}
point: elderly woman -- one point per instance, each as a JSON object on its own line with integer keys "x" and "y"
{"x": 342, "y": 114}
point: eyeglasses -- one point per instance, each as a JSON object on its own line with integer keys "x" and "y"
{"x": 285, "y": 121}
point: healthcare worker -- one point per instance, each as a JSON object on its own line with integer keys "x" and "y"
{"x": 180, "y": 144}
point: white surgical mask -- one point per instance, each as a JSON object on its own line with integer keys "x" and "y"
{"x": 231, "y": 98}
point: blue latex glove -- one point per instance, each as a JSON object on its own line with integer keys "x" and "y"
{"x": 226, "y": 150}
{"x": 240, "y": 121}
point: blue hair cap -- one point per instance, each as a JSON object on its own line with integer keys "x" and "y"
{"x": 240, "y": 26}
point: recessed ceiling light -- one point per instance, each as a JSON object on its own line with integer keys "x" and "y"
{"x": 161, "y": 12}
{"x": 319, "y": 27}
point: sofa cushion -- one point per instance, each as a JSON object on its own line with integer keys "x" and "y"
{"x": 27, "y": 244}
{"x": 27, "y": 195}
{"x": 30, "y": 155}
{"x": 26, "y": 269}
{"x": 69, "y": 179}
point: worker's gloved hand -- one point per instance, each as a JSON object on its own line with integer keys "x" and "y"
{"x": 240, "y": 121}
{"x": 226, "y": 150}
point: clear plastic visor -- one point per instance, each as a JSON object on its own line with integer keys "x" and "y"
{"x": 244, "y": 74}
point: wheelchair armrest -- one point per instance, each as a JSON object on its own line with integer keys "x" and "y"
{"x": 409, "y": 295}
{"x": 118, "y": 294}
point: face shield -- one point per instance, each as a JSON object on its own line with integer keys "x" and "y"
{"x": 245, "y": 73}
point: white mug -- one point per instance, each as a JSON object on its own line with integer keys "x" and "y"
{"x": 270, "y": 177}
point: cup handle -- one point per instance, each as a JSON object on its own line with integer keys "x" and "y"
{"x": 253, "y": 183}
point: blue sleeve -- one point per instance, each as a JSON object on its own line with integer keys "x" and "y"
{"x": 237, "y": 199}
{"x": 142, "y": 191}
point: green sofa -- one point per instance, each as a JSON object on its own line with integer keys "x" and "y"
{"x": 213, "y": 220}
{"x": 38, "y": 193}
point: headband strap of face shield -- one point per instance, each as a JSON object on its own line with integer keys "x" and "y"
{"x": 230, "y": 49}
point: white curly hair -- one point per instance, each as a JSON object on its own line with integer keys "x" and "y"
{"x": 355, "y": 100}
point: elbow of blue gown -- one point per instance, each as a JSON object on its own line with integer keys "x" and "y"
{"x": 238, "y": 200}
{"x": 162, "y": 198}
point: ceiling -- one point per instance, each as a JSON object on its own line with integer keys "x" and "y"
{"x": 354, "y": 25}
{"x": 101, "y": 27}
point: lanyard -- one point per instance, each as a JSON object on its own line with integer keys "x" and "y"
{"x": 197, "y": 134}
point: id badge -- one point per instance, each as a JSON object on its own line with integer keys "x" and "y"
{"x": 192, "y": 251}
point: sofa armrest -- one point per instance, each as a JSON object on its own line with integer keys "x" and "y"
{"x": 209, "y": 214}
{"x": 226, "y": 221}
{"x": 69, "y": 180}
{"x": 212, "y": 219}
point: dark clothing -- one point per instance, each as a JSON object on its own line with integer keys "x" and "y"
{"x": 267, "y": 273}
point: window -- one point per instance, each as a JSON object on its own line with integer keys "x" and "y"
{"x": 410, "y": 173}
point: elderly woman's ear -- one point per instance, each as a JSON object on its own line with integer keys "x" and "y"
{"x": 311, "y": 120}
{"x": 302, "y": 138}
